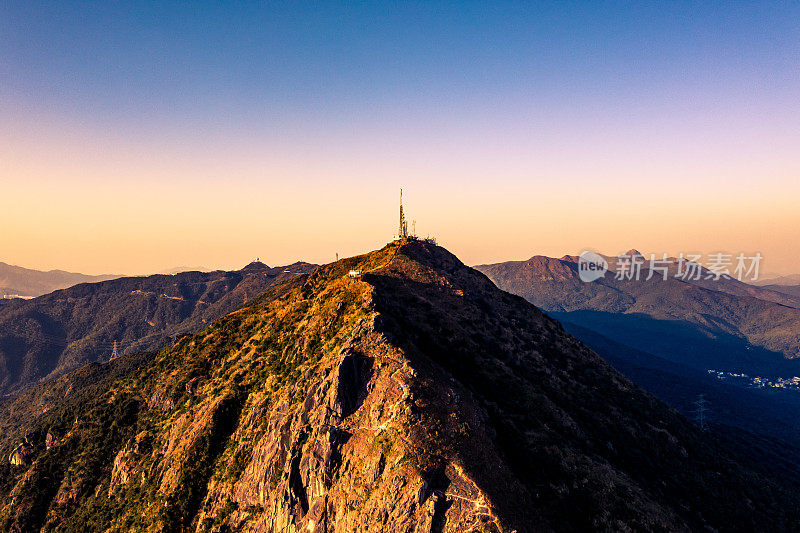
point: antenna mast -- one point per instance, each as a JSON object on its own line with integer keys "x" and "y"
{"x": 402, "y": 233}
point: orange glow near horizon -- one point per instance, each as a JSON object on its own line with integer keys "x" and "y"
{"x": 100, "y": 205}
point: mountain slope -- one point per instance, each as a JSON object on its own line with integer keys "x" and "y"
{"x": 25, "y": 282}
{"x": 48, "y": 335}
{"x": 418, "y": 397}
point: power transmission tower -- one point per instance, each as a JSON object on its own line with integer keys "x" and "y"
{"x": 114, "y": 352}
{"x": 701, "y": 407}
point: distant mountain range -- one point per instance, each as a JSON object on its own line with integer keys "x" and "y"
{"x": 790, "y": 290}
{"x": 47, "y": 335}
{"x": 792, "y": 279}
{"x": 789, "y": 285}
{"x": 667, "y": 334}
{"x": 413, "y": 397}
{"x": 27, "y": 283}
{"x": 178, "y": 270}
{"x": 764, "y": 321}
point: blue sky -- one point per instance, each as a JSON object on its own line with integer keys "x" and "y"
{"x": 138, "y": 61}
{"x": 500, "y": 101}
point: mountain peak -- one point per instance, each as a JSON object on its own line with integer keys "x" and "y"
{"x": 430, "y": 255}
{"x": 633, "y": 252}
{"x": 255, "y": 266}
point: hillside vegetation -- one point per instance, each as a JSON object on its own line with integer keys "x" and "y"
{"x": 418, "y": 397}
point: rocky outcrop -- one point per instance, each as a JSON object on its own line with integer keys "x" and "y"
{"x": 127, "y": 460}
{"x": 49, "y": 440}
{"x": 22, "y": 455}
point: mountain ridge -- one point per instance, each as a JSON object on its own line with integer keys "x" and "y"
{"x": 44, "y": 336}
{"x": 415, "y": 397}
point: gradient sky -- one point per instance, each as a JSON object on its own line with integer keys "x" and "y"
{"x": 136, "y": 136}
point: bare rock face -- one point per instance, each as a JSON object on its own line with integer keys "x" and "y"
{"x": 126, "y": 461}
{"x": 22, "y": 454}
{"x": 338, "y": 454}
{"x": 49, "y": 440}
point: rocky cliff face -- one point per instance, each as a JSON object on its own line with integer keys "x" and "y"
{"x": 417, "y": 398}
{"x": 22, "y": 454}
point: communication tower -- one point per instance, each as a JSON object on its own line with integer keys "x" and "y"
{"x": 402, "y": 232}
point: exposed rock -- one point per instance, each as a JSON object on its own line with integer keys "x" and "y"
{"x": 22, "y": 454}
{"x": 350, "y": 379}
{"x": 49, "y": 440}
{"x": 126, "y": 461}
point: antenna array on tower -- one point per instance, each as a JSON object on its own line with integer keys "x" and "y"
{"x": 402, "y": 232}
